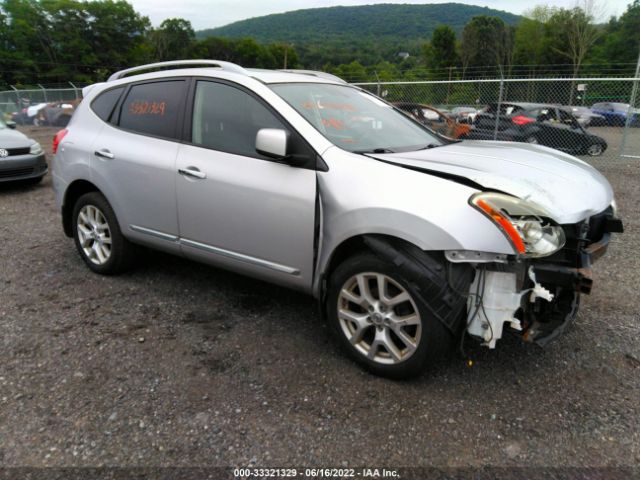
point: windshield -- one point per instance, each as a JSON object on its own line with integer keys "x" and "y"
{"x": 355, "y": 120}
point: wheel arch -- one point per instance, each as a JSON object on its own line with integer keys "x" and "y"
{"x": 347, "y": 248}
{"x": 415, "y": 264}
{"x": 74, "y": 191}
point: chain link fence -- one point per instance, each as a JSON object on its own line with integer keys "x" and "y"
{"x": 40, "y": 105}
{"x": 596, "y": 117}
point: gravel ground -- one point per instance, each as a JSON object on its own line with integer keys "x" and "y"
{"x": 179, "y": 364}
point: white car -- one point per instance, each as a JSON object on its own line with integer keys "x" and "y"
{"x": 408, "y": 240}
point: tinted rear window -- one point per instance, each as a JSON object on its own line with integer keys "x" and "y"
{"x": 153, "y": 108}
{"x": 104, "y": 103}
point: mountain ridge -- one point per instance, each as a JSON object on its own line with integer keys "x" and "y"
{"x": 393, "y": 21}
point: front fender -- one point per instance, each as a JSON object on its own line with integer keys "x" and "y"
{"x": 430, "y": 212}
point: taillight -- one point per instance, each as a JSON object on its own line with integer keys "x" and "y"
{"x": 57, "y": 138}
{"x": 522, "y": 120}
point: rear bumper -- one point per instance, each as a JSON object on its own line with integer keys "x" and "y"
{"x": 22, "y": 167}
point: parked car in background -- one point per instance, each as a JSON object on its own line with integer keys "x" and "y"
{"x": 464, "y": 114}
{"x": 433, "y": 118}
{"x": 616, "y": 113}
{"x": 547, "y": 125}
{"x": 408, "y": 239}
{"x": 21, "y": 158}
{"x": 586, "y": 117}
{"x": 55, "y": 114}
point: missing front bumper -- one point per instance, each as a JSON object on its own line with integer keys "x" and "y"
{"x": 538, "y": 299}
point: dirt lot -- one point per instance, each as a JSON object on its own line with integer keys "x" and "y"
{"x": 179, "y": 364}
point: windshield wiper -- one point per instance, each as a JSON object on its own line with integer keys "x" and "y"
{"x": 375, "y": 150}
{"x": 427, "y": 147}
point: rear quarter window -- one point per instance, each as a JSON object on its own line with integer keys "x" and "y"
{"x": 104, "y": 104}
{"x": 153, "y": 108}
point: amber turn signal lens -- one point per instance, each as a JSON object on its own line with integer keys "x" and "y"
{"x": 505, "y": 224}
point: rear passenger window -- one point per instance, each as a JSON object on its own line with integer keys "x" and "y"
{"x": 104, "y": 103}
{"x": 226, "y": 118}
{"x": 153, "y": 108}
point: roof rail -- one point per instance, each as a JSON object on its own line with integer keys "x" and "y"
{"x": 228, "y": 66}
{"x": 314, "y": 73}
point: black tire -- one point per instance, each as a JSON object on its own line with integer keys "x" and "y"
{"x": 424, "y": 277}
{"x": 122, "y": 253}
{"x": 595, "y": 150}
{"x": 532, "y": 139}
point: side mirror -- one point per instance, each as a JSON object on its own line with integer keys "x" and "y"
{"x": 11, "y": 124}
{"x": 272, "y": 143}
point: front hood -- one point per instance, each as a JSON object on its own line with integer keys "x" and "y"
{"x": 567, "y": 187}
{"x": 13, "y": 139}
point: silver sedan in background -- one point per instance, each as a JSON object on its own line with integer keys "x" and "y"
{"x": 21, "y": 158}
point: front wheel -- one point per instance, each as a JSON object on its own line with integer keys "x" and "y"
{"x": 97, "y": 236}
{"x": 385, "y": 321}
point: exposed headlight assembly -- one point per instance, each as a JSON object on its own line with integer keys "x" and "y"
{"x": 527, "y": 226}
{"x": 35, "y": 149}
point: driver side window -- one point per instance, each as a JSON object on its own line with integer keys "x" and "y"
{"x": 226, "y": 118}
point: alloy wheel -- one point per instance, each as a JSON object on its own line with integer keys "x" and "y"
{"x": 94, "y": 234}
{"x": 595, "y": 150}
{"x": 379, "y": 318}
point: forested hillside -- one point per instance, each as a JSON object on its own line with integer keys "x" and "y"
{"x": 357, "y": 24}
{"x": 61, "y": 41}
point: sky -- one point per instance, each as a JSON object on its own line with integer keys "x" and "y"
{"x": 215, "y": 13}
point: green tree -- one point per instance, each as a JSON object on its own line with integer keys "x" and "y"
{"x": 351, "y": 72}
{"x": 573, "y": 34}
{"x": 172, "y": 40}
{"x": 620, "y": 42}
{"x": 487, "y": 46}
{"x": 441, "y": 52}
{"x": 62, "y": 40}
{"x": 530, "y": 40}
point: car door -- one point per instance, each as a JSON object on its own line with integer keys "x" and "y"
{"x": 606, "y": 110}
{"x": 236, "y": 208}
{"x": 134, "y": 161}
{"x": 572, "y": 137}
{"x": 436, "y": 122}
{"x": 547, "y": 122}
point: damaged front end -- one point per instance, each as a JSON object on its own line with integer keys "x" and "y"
{"x": 535, "y": 296}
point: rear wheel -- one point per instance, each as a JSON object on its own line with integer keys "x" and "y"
{"x": 385, "y": 321}
{"x": 595, "y": 150}
{"x": 97, "y": 236}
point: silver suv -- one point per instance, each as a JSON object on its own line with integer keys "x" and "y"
{"x": 408, "y": 239}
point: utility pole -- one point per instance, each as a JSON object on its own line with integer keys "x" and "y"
{"x": 449, "y": 86}
{"x": 630, "y": 110}
{"x": 286, "y": 52}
